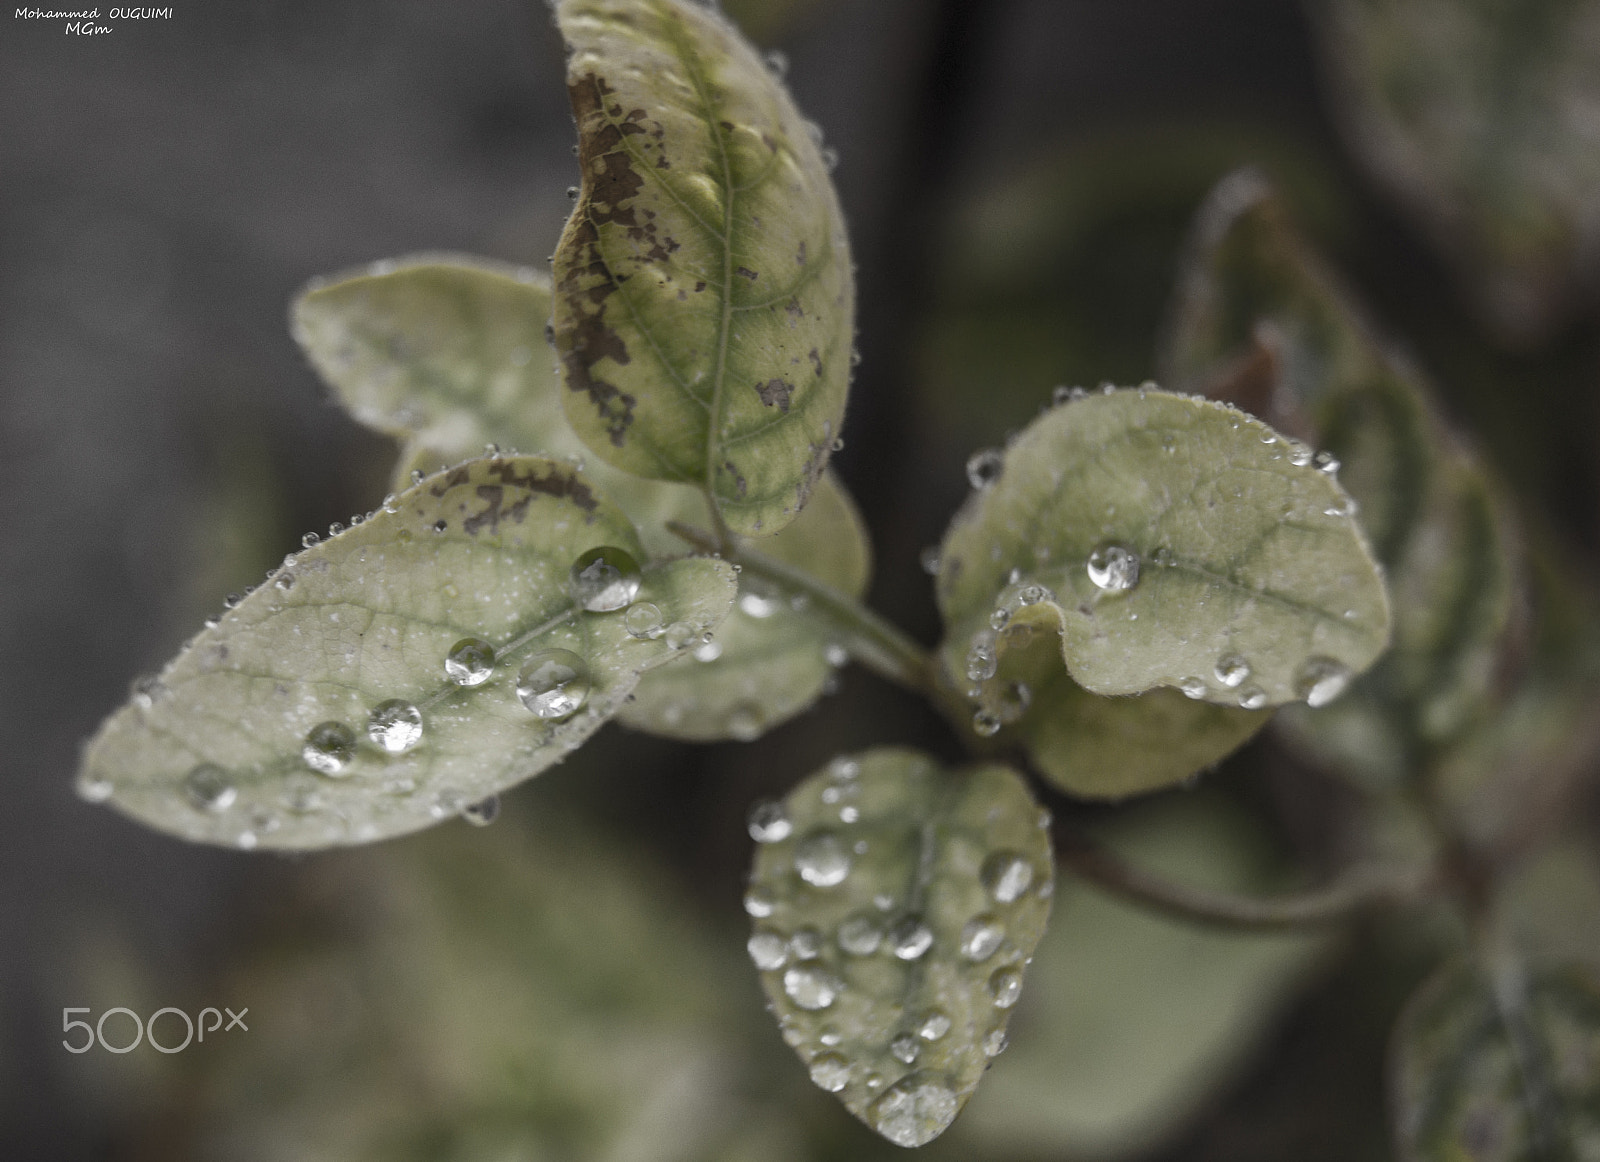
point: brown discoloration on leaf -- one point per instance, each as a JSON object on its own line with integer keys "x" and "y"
{"x": 739, "y": 484}
{"x": 557, "y": 481}
{"x": 816, "y": 361}
{"x": 800, "y": 254}
{"x": 746, "y": 272}
{"x": 775, "y": 392}
{"x": 793, "y": 308}
{"x": 455, "y": 476}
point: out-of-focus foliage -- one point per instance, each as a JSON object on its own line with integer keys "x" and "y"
{"x": 1484, "y": 118}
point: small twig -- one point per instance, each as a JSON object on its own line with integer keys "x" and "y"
{"x": 871, "y": 640}
{"x": 1355, "y": 891}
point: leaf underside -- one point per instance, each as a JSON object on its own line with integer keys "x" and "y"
{"x": 703, "y": 288}
{"x": 902, "y": 1041}
{"x": 483, "y": 551}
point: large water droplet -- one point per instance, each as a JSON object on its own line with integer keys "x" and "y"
{"x": 811, "y": 988}
{"x": 469, "y": 662}
{"x": 767, "y": 949}
{"x": 914, "y": 1110}
{"x": 1006, "y": 875}
{"x": 986, "y": 724}
{"x": 981, "y": 938}
{"x": 95, "y": 788}
{"x": 1299, "y": 454}
{"x": 758, "y": 902}
{"x": 329, "y": 747}
{"x": 1231, "y": 670}
{"x": 982, "y": 660}
{"x": 984, "y": 467}
{"x": 208, "y": 787}
{"x": 1327, "y": 462}
{"x": 769, "y": 822}
{"x": 1252, "y": 698}
{"x": 1193, "y": 687}
{"x": 935, "y": 1024}
{"x": 1005, "y": 986}
{"x": 860, "y": 935}
{"x": 910, "y": 938}
{"x": 679, "y": 634}
{"x": 758, "y": 605}
{"x": 483, "y": 812}
{"x": 905, "y": 1048}
{"x": 554, "y": 683}
{"x": 1321, "y": 680}
{"x": 603, "y": 579}
{"x": 821, "y": 859}
{"x": 643, "y": 621}
{"x": 395, "y": 725}
{"x": 830, "y": 1071}
{"x": 1113, "y": 568}
{"x": 995, "y": 1043}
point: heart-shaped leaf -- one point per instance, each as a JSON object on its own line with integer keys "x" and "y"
{"x": 1171, "y": 542}
{"x": 897, "y": 906}
{"x": 1499, "y": 1072}
{"x": 1259, "y": 321}
{"x": 773, "y": 656}
{"x": 704, "y": 295}
{"x": 459, "y": 641}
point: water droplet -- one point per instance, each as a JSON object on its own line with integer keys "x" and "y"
{"x": 708, "y": 651}
{"x": 469, "y": 662}
{"x": 1193, "y": 687}
{"x": 986, "y": 724}
{"x": 930, "y": 559}
{"x": 984, "y": 467}
{"x": 1252, "y": 698}
{"x": 982, "y": 661}
{"x": 483, "y": 812}
{"x": 284, "y": 581}
{"x": 208, "y": 787}
{"x": 395, "y": 725}
{"x": 440, "y": 525}
{"x": 914, "y": 1110}
{"x": 822, "y": 860}
{"x": 329, "y": 747}
{"x": 860, "y": 934}
{"x": 1321, "y": 680}
{"x": 554, "y": 683}
{"x": 905, "y": 1048}
{"x": 934, "y": 1025}
{"x": 1062, "y": 394}
{"x": 146, "y": 689}
{"x": 910, "y": 938}
{"x": 830, "y": 158}
{"x": 246, "y": 841}
{"x": 767, "y": 949}
{"x": 981, "y": 938}
{"x": 844, "y": 768}
{"x": 335, "y": 529}
{"x": 806, "y": 944}
{"x": 777, "y": 63}
{"x": 744, "y": 722}
{"x": 1012, "y": 701}
{"x": 309, "y": 539}
{"x": 830, "y": 1035}
{"x": 999, "y": 618}
{"x": 1327, "y": 462}
{"x": 835, "y": 654}
{"x": 830, "y": 1071}
{"x": 849, "y": 814}
{"x": 679, "y": 634}
{"x": 604, "y": 579}
{"x": 231, "y": 601}
{"x": 758, "y": 902}
{"x": 1005, "y": 986}
{"x": 643, "y": 621}
{"x": 1299, "y": 454}
{"x": 769, "y": 822}
{"x": 1345, "y": 506}
{"x": 1113, "y": 568}
{"x": 94, "y": 789}
{"x": 1006, "y": 875}
{"x": 758, "y": 605}
{"x": 417, "y": 477}
{"x": 1231, "y": 670}
{"x": 391, "y": 504}
{"x": 995, "y": 1043}
{"x": 811, "y": 988}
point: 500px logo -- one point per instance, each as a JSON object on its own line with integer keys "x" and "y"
{"x": 146, "y": 1030}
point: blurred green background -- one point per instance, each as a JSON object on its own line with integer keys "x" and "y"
{"x": 1019, "y": 177}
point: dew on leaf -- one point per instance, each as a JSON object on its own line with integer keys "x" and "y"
{"x": 981, "y": 938}
{"x": 905, "y": 1048}
{"x": 1231, "y": 670}
{"x": 910, "y": 938}
{"x": 986, "y": 724}
{"x": 1327, "y": 462}
{"x": 604, "y": 579}
{"x": 329, "y": 747}
{"x": 208, "y": 787}
{"x": 680, "y": 634}
{"x": 1005, "y": 986}
{"x": 930, "y": 560}
{"x": 758, "y": 902}
{"x": 470, "y": 662}
{"x": 806, "y": 944}
{"x": 1321, "y": 680}
{"x": 1006, "y": 875}
{"x": 914, "y": 1111}
{"x": 769, "y": 822}
{"x": 995, "y": 1043}
{"x": 830, "y": 1071}
{"x": 395, "y": 725}
{"x": 643, "y": 621}
{"x": 767, "y": 949}
{"x": 483, "y": 812}
{"x": 758, "y": 605}
{"x": 821, "y": 860}
{"x": 1193, "y": 687}
{"x": 811, "y": 988}
{"x": 935, "y": 1024}
{"x": 708, "y": 651}
{"x": 1299, "y": 454}
{"x": 554, "y": 683}
{"x": 984, "y": 467}
{"x": 860, "y": 934}
{"x": 1113, "y": 568}
{"x": 1252, "y": 698}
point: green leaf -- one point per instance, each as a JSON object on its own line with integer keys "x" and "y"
{"x": 1259, "y": 321}
{"x": 769, "y": 660}
{"x": 899, "y": 904}
{"x": 1171, "y": 542}
{"x": 1132, "y": 1021}
{"x": 704, "y": 296}
{"x": 268, "y": 729}
{"x": 1508, "y": 1070}
{"x": 1476, "y": 114}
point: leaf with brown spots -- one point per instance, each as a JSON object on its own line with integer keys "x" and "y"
{"x": 216, "y": 749}
{"x": 706, "y": 262}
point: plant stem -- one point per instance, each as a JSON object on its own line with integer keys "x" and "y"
{"x": 1354, "y": 891}
{"x": 877, "y": 644}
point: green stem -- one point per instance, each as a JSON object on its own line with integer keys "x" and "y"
{"x": 874, "y": 642}
{"x": 1355, "y": 891}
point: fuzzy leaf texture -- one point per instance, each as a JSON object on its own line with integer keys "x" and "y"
{"x": 898, "y": 905}
{"x": 703, "y": 289}
{"x": 448, "y": 353}
{"x": 1170, "y": 544}
{"x": 1261, "y": 323}
{"x": 321, "y": 710}
{"x": 1507, "y": 1073}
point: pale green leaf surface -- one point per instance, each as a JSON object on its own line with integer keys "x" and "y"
{"x": 769, "y": 660}
{"x": 1243, "y": 554}
{"x": 915, "y": 842}
{"x": 1132, "y": 1022}
{"x": 482, "y": 551}
{"x": 703, "y": 288}
{"x": 1501, "y": 1072}
{"x": 1259, "y": 321}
